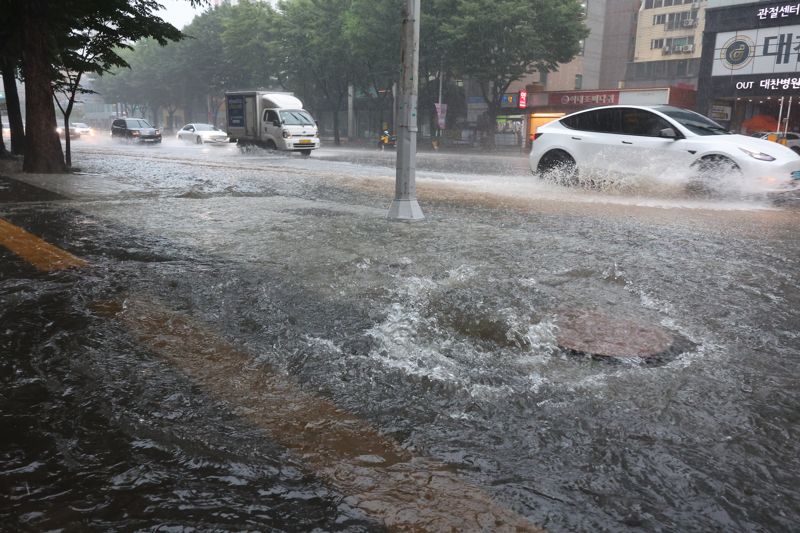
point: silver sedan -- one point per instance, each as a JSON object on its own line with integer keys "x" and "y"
{"x": 202, "y": 133}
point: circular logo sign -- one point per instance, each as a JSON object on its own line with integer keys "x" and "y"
{"x": 737, "y": 52}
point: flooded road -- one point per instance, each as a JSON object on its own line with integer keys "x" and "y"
{"x": 253, "y": 347}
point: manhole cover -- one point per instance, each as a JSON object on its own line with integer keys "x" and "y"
{"x": 598, "y": 334}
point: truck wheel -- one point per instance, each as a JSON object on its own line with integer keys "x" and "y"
{"x": 305, "y": 153}
{"x": 271, "y": 145}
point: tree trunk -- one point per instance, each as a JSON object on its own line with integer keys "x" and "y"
{"x": 336, "y": 138}
{"x": 3, "y": 151}
{"x": 491, "y": 124}
{"x": 9, "y": 69}
{"x": 67, "y": 140}
{"x": 42, "y": 147}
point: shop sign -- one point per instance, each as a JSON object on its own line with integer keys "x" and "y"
{"x": 584, "y": 98}
{"x": 753, "y": 85}
{"x": 720, "y": 112}
{"x": 509, "y": 100}
{"x": 523, "y": 99}
{"x": 774, "y": 84}
{"x": 757, "y": 51}
{"x": 777, "y": 12}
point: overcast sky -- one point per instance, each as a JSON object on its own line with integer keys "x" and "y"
{"x": 179, "y": 13}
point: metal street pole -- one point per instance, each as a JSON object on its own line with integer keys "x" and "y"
{"x": 405, "y": 206}
{"x": 786, "y": 125}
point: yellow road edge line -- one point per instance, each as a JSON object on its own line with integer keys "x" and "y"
{"x": 42, "y": 255}
{"x": 387, "y": 482}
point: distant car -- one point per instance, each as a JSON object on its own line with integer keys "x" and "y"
{"x": 82, "y": 128}
{"x": 202, "y": 133}
{"x": 73, "y": 133}
{"x": 792, "y": 140}
{"x": 135, "y": 130}
{"x": 651, "y": 141}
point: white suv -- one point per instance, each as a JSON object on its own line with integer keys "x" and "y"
{"x": 658, "y": 141}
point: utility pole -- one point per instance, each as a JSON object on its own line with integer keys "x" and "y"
{"x": 405, "y": 206}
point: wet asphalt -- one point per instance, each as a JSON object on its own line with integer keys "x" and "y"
{"x": 140, "y": 393}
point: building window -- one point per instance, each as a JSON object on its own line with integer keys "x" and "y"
{"x": 656, "y": 44}
{"x": 578, "y": 81}
{"x": 658, "y": 3}
{"x": 543, "y": 77}
{"x": 659, "y": 19}
{"x": 682, "y": 19}
{"x": 582, "y": 45}
{"x": 648, "y": 4}
{"x": 668, "y": 3}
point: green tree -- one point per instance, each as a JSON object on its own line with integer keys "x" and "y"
{"x": 496, "y": 42}
{"x": 207, "y": 69}
{"x": 90, "y": 47}
{"x": 47, "y": 28}
{"x": 372, "y": 31}
{"x": 315, "y": 53}
{"x": 249, "y": 33}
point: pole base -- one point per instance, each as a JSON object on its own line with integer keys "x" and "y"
{"x": 405, "y": 210}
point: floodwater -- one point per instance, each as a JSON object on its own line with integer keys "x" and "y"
{"x": 255, "y": 348}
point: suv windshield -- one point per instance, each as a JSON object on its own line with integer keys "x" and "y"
{"x": 138, "y": 123}
{"x": 695, "y": 122}
{"x": 296, "y": 118}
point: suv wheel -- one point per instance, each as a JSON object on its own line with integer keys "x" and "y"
{"x": 558, "y": 166}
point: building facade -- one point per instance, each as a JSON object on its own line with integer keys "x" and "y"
{"x": 593, "y": 78}
{"x": 668, "y": 44}
{"x": 750, "y": 71}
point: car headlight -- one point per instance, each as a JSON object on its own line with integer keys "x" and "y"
{"x": 761, "y": 156}
{"x": 157, "y": 131}
{"x": 287, "y": 134}
{"x": 135, "y": 133}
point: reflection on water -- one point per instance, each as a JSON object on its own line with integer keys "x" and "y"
{"x": 441, "y": 336}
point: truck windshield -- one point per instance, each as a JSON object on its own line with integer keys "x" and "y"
{"x": 296, "y": 118}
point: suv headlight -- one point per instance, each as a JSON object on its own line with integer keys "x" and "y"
{"x": 761, "y": 156}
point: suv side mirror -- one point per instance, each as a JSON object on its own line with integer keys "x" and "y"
{"x": 669, "y": 133}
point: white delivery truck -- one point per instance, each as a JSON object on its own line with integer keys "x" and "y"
{"x": 270, "y": 120}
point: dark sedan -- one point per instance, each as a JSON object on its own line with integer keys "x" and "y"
{"x": 135, "y": 130}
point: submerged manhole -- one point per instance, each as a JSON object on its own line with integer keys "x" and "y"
{"x": 598, "y": 334}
